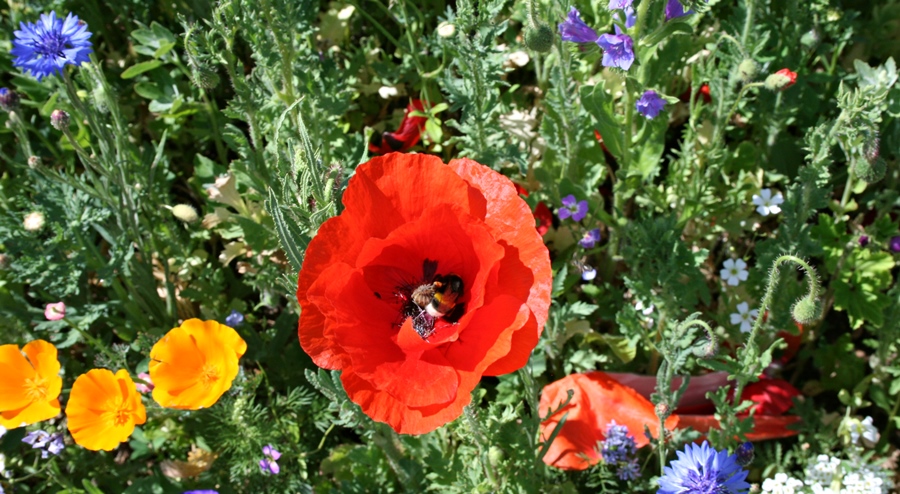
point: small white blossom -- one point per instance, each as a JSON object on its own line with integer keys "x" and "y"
{"x": 446, "y": 29}
{"x": 34, "y": 221}
{"x": 734, "y": 271}
{"x": 519, "y": 58}
{"x": 387, "y": 92}
{"x": 766, "y": 203}
{"x": 588, "y": 273}
{"x": 744, "y": 316}
{"x": 869, "y": 431}
{"x": 782, "y": 484}
{"x": 821, "y": 473}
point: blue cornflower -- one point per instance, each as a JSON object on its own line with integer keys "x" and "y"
{"x": 46, "y": 442}
{"x": 618, "y": 50}
{"x": 45, "y": 47}
{"x": 650, "y": 104}
{"x": 234, "y": 319}
{"x": 703, "y": 470}
{"x": 619, "y": 4}
{"x": 575, "y": 30}
{"x": 574, "y": 208}
{"x": 268, "y": 463}
{"x": 590, "y": 238}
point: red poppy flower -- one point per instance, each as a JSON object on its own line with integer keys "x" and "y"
{"x": 544, "y": 218}
{"x": 598, "y": 399}
{"x": 703, "y": 93}
{"x": 414, "y": 228}
{"x": 406, "y": 136}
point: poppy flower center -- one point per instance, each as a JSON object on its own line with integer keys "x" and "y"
{"x": 435, "y": 297}
{"x": 210, "y": 374}
{"x": 118, "y": 412}
{"x": 36, "y": 388}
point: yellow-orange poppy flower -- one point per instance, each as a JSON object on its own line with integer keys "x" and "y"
{"x": 30, "y": 386}
{"x": 194, "y": 364}
{"x": 103, "y": 409}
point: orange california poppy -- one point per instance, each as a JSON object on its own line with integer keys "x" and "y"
{"x": 30, "y": 386}
{"x": 432, "y": 276}
{"x": 194, "y": 364}
{"x": 103, "y": 409}
{"x": 598, "y": 399}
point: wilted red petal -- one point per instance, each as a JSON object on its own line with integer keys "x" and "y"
{"x": 360, "y": 270}
{"x": 598, "y": 399}
{"x": 406, "y": 136}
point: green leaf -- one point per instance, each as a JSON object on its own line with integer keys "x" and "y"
{"x": 287, "y": 236}
{"x": 90, "y": 488}
{"x": 148, "y": 90}
{"x": 140, "y": 68}
{"x": 600, "y": 105}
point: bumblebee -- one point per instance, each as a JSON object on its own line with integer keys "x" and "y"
{"x": 436, "y": 297}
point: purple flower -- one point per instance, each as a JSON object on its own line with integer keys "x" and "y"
{"x": 630, "y": 19}
{"x": 619, "y": 4}
{"x": 617, "y": 50}
{"x": 894, "y": 243}
{"x": 49, "y": 444}
{"x": 575, "y": 30}
{"x": 744, "y": 454}
{"x": 268, "y": 464}
{"x": 574, "y": 208}
{"x": 650, "y": 104}
{"x": 590, "y": 238}
{"x": 234, "y": 319}
{"x": 618, "y": 446}
{"x": 629, "y": 471}
{"x": 703, "y": 469}
{"x": 45, "y": 47}
{"x": 675, "y": 9}
{"x": 863, "y": 240}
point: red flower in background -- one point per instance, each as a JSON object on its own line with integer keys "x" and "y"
{"x": 411, "y": 225}
{"x": 406, "y": 136}
{"x": 598, "y": 399}
{"x": 703, "y": 93}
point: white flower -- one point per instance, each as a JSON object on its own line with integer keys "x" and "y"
{"x": 588, "y": 273}
{"x": 869, "y": 431}
{"x": 734, "y": 271}
{"x": 34, "y": 221}
{"x": 518, "y": 58}
{"x": 766, "y": 203}
{"x": 744, "y": 316}
{"x": 782, "y": 484}
{"x": 857, "y": 429}
{"x": 822, "y": 472}
{"x": 387, "y": 92}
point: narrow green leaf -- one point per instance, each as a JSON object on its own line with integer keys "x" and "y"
{"x": 138, "y": 69}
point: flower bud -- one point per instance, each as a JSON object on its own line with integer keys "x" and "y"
{"x": 663, "y": 411}
{"x": 539, "y": 38}
{"x": 185, "y": 213}
{"x": 33, "y": 221}
{"x": 781, "y": 80}
{"x": 59, "y": 120}
{"x": 805, "y": 310}
{"x": 204, "y": 76}
{"x": 495, "y": 456}
{"x": 863, "y": 240}
{"x": 9, "y": 100}
{"x": 744, "y": 454}
{"x": 870, "y": 172}
{"x": 34, "y": 162}
{"x": 446, "y": 29}
{"x": 747, "y": 70}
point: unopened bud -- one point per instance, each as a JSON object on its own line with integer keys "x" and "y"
{"x": 744, "y": 454}
{"x": 805, "y": 310}
{"x": 781, "y": 80}
{"x": 59, "y": 120}
{"x": 495, "y": 456}
{"x": 185, "y": 213}
{"x": 747, "y": 70}
{"x": 204, "y": 76}
{"x": 870, "y": 171}
{"x": 539, "y": 38}
{"x": 9, "y": 100}
{"x": 446, "y": 29}
{"x": 873, "y": 149}
{"x": 34, "y": 162}
{"x": 663, "y": 411}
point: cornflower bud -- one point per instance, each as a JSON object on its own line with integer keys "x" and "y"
{"x": 744, "y": 454}
{"x": 59, "y": 119}
{"x": 9, "y": 100}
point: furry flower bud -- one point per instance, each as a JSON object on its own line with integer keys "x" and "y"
{"x": 781, "y": 80}
{"x": 495, "y": 456}
{"x": 663, "y": 411}
{"x": 185, "y": 213}
{"x": 870, "y": 171}
{"x": 805, "y": 310}
{"x": 747, "y": 70}
{"x": 539, "y": 38}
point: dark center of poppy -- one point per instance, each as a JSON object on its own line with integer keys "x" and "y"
{"x": 435, "y": 297}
